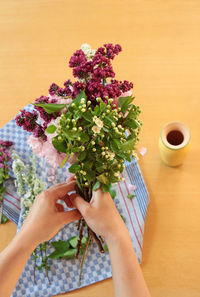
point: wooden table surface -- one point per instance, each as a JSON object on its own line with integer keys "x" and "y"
{"x": 161, "y": 55}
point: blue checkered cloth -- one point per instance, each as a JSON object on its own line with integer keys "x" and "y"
{"x": 64, "y": 274}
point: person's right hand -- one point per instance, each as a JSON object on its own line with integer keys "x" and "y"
{"x": 100, "y": 214}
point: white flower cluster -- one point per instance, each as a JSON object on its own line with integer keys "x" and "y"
{"x": 86, "y": 48}
{"x": 19, "y": 170}
{"x": 99, "y": 124}
{"x": 27, "y": 183}
{"x": 107, "y": 154}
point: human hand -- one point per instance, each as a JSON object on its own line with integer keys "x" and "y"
{"x": 47, "y": 216}
{"x": 101, "y": 215}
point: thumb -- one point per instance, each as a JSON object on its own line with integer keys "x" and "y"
{"x": 79, "y": 203}
{"x": 70, "y": 216}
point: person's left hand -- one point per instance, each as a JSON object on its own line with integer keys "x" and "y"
{"x": 47, "y": 216}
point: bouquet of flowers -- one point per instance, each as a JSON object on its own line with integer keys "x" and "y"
{"x": 91, "y": 123}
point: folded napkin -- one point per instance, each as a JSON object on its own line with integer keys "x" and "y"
{"x": 64, "y": 274}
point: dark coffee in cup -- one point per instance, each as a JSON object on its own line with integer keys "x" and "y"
{"x": 175, "y": 137}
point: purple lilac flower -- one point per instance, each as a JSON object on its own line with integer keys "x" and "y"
{"x": 53, "y": 89}
{"x": 7, "y": 155}
{"x": 125, "y": 86}
{"x": 113, "y": 89}
{"x": 83, "y": 71}
{"x": 77, "y": 88}
{"x": 68, "y": 88}
{"x": 77, "y": 59}
{"x": 2, "y": 158}
{"x": 27, "y": 120}
{"x": 68, "y": 83}
{"x": 95, "y": 89}
{"x": 43, "y": 114}
{"x": 117, "y": 49}
{"x": 109, "y": 50}
{"x": 6, "y": 143}
{"x": 4, "y": 153}
{"x": 39, "y": 132}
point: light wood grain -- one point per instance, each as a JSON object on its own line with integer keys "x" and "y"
{"x": 161, "y": 47}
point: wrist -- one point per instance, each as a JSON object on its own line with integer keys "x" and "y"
{"x": 119, "y": 235}
{"x": 26, "y": 241}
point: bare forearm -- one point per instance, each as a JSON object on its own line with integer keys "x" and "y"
{"x": 12, "y": 262}
{"x": 127, "y": 275}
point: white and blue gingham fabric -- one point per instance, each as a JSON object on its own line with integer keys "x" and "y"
{"x": 64, "y": 274}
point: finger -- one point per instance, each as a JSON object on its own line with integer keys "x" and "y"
{"x": 80, "y": 203}
{"x": 68, "y": 201}
{"x": 70, "y": 216}
{"x": 56, "y": 186}
{"x": 60, "y": 207}
{"x": 98, "y": 194}
{"x": 60, "y": 191}
{"x": 71, "y": 178}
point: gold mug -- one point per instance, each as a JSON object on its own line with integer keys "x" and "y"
{"x": 174, "y": 143}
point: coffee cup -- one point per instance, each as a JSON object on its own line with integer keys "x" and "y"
{"x": 174, "y": 143}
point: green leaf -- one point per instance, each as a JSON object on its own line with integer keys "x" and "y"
{"x": 78, "y": 98}
{"x": 1, "y": 175}
{"x": 50, "y": 107}
{"x": 128, "y": 145}
{"x": 128, "y": 158}
{"x": 106, "y": 187}
{"x": 123, "y": 218}
{"x": 88, "y": 116}
{"x": 74, "y": 168}
{"x": 71, "y": 134}
{"x": 109, "y": 119}
{"x": 90, "y": 175}
{"x": 4, "y": 219}
{"x": 88, "y": 163}
{"x": 65, "y": 160}
{"x": 112, "y": 193}
{"x": 115, "y": 144}
{"x": 60, "y": 245}
{"x": 105, "y": 129}
{"x": 51, "y": 129}
{"x": 105, "y": 247}
{"x": 2, "y": 189}
{"x": 123, "y": 103}
{"x": 130, "y": 196}
{"x": 96, "y": 110}
{"x": 102, "y": 106}
{"x": 100, "y": 169}
{"x": 75, "y": 149}
{"x": 84, "y": 137}
{"x": 102, "y": 178}
{"x": 130, "y": 123}
{"x": 70, "y": 254}
{"x": 96, "y": 185}
{"x": 60, "y": 146}
{"x": 82, "y": 156}
{"x": 56, "y": 255}
{"x": 74, "y": 241}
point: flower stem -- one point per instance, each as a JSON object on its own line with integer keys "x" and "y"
{"x": 98, "y": 241}
{"x": 85, "y": 254}
{"x": 34, "y": 270}
{"x": 46, "y": 264}
{"x": 80, "y": 238}
{"x": 1, "y": 211}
